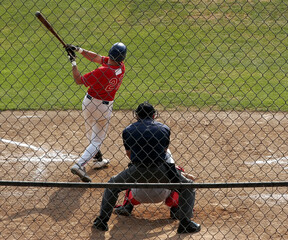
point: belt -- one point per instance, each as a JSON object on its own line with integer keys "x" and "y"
{"x": 90, "y": 98}
{"x": 148, "y": 165}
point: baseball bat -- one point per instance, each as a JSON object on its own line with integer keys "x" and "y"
{"x": 48, "y": 26}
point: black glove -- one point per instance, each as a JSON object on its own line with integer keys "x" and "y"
{"x": 71, "y": 54}
{"x": 72, "y": 47}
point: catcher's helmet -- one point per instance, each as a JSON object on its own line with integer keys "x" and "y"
{"x": 145, "y": 110}
{"x": 118, "y": 52}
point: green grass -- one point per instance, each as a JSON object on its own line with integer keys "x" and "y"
{"x": 223, "y": 55}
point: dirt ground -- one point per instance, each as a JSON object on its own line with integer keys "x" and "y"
{"x": 216, "y": 147}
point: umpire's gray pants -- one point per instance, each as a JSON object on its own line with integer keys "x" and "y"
{"x": 160, "y": 174}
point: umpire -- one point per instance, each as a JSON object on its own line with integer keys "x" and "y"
{"x": 146, "y": 142}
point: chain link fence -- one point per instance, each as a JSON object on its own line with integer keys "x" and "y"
{"x": 216, "y": 72}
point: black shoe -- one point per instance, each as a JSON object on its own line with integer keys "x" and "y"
{"x": 173, "y": 212}
{"x": 100, "y": 225}
{"x": 188, "y": 226}
{"x": 124, "y": 210}
{"x": 98, "y": 157}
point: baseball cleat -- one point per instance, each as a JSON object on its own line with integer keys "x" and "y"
{"x": 188, "y": 227}
{"x": 173, "y": 212}
{"x": 101, "y": 164}
{"x": 98, "y": 156}
{"x": 100, "y": 225}
{"x": 80, "y": 172}
{"x": 125, "y": 210}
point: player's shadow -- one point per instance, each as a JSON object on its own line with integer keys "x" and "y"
{"x": 131, "y": 228}
{"x": 61, "y": 205}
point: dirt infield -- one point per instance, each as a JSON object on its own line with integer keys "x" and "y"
{"x": 214, "y": 146}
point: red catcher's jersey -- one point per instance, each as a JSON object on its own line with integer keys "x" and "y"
{"x": 104, "y": 81}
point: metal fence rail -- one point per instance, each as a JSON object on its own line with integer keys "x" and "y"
{"x": 144, "y": 185}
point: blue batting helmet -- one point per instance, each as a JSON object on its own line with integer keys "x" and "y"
{"x": 118, "y": 52}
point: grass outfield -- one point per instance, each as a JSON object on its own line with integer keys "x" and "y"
{"x": 222, "y": 55}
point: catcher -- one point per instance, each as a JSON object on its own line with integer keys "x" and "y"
{"x": 136, "y": 196}
{"x": 146, "y": 143}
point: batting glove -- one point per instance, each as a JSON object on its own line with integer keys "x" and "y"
{"x": 74, "y": 48}
{"x": 71, "y": 58}
{"x": 71, "y": 55}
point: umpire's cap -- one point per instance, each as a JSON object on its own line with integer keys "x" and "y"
{"x": 145, "y": 110}
{"x": 118, "y": 52}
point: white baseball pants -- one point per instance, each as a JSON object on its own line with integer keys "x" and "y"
{"x": 96, "y": 114}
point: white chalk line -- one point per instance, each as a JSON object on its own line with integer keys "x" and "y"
{"x": 47, "y": 156}
{"x": 30, "y": 116}
{"x": 21, "y": 144}
{"x": 59, "y": 156}
{"x": 270, "y": 199}
{"x": 43, "y": 158}
{"x": 270, "y": 161}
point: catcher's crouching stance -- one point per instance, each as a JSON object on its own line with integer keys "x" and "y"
{"x": 136, "y": 196}
{"x": 146, "y": 143}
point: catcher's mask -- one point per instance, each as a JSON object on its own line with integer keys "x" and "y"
{"x": 118, "y": 52}
{"x": 145, "y": 110}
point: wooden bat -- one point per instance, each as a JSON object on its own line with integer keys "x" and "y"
{"x": 49, "y": 27}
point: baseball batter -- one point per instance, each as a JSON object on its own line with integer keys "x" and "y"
{"x": 102, "y": 83}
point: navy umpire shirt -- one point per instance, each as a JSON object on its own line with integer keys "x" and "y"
{"x": 148, "y": 141}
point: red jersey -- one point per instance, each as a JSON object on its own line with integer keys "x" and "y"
{"x": 104, "y": 81}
